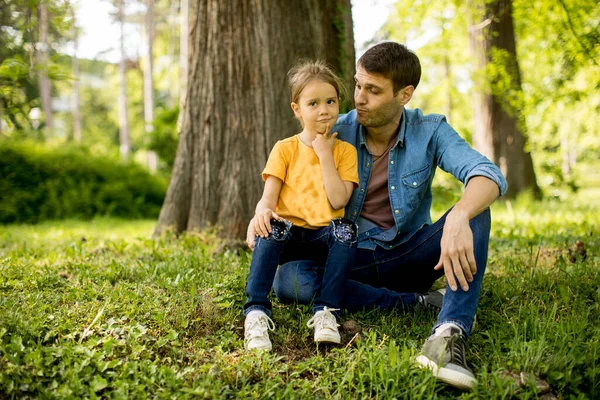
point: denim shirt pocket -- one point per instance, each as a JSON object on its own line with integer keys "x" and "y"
{"x": 415, "y": 184}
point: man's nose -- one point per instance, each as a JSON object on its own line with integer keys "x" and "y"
{"x": 359, "y": 97}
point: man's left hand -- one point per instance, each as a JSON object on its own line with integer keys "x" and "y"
{"x": 457, "y": 256}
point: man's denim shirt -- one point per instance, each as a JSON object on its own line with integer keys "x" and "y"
{"x": 424, "y": 142}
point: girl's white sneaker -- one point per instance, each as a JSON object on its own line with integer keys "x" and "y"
{"x": 256, "y": 331}
{"x": 326, "y": 326}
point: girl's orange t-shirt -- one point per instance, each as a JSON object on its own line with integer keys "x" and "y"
{"x": 303, "y": 199}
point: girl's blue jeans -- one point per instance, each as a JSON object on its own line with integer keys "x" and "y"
{"x": 333, "y": 247}
{"x": 392, "y": 278}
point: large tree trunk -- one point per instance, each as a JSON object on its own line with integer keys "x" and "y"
{"x": 152, "y": 158}
{"x": 45, "y": 85}
{"x": 238, "y": 102}
{"x": 498, "y": 125}
{"x": 123, "y": 124}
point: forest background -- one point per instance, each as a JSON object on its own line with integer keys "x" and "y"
{"x": 56, "y": 106}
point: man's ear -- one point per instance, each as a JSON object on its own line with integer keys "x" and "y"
{"x": 296, "y": 109}
{"x": 405, "y": 94}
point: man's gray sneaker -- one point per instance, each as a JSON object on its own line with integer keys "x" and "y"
{"x": 433, "y": 300}
{"x": 444, "y": 355}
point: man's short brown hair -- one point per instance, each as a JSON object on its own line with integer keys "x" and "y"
{"x": 394, "y": 61}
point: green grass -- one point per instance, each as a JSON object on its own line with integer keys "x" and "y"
{"x": 98, "y": 309}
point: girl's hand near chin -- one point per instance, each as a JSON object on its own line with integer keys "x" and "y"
{"x": 323, "y": 143}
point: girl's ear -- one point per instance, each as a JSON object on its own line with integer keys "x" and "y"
{"x": 296, "y": 109}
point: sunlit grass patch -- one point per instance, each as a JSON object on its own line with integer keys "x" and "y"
{"x": 98, "y": 308}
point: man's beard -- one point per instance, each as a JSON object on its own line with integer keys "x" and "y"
{"x": 381, "y": 117}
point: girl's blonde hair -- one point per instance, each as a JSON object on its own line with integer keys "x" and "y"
{"x": 307, "y": 71}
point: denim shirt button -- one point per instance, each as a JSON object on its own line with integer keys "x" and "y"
{"x": 397, "y": 211}
{"x": 370, "y": 164}
{"x": 354, "y": 212}
{"x": 414, "y": 183}
{"x": 392, "y": 161}
{"x": 393, "y": 187}
{"x": 362, "y": 190}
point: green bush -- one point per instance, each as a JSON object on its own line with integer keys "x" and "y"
{"x": 39, "y": 183}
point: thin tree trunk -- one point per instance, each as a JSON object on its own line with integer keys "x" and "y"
{"x": 43, "y": 60}
{"x": 568, "y": 155}
{"x": 498, "y": 124}
{"x": 238, "y": 102}
{"x": 152, "y": 158}
{"x": 173, "y": 91}
{"x": 123, "y": 124}
{"x": 75, "y": 97}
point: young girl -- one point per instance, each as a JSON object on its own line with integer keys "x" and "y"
{"x": 309, "y": 179}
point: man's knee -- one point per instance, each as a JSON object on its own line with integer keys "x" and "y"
{"x": 344, "y": 231}
{"x": 295, "y": 283}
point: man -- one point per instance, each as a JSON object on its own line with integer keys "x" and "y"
{"x": 400, "y": 252}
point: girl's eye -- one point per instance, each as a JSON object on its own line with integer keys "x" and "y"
{"x": 312, "y": 103}
{"x": 331, "y": 101}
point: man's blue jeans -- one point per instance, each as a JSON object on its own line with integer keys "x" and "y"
{"x": 392, "y": 278}
{"x": 333, "y": 246}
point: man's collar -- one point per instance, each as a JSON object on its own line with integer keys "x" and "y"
{"x": 399, "y": 138}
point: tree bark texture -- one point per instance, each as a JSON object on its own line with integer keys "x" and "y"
{"x": 498, "y": 126}
{"x": 238, "y": 102}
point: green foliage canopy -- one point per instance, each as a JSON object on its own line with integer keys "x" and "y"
{"x": 19, "y": 39}
{"x": 558, "y": 48}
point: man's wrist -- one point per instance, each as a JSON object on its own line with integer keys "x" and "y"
{"x": 458, "y": 213}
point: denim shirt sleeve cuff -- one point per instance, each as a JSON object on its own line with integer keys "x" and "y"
{"x": 490, "y": 173}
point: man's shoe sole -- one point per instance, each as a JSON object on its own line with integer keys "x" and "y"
{"x": 449, "y": 376}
